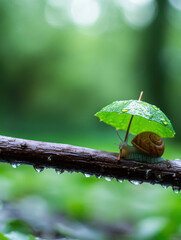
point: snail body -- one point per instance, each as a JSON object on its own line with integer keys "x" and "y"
{"x": 147, "y": 147}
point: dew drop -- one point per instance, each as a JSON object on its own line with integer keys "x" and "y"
{"x": 124, "y": 110}
{"x": 176, "y": 189}
{"x": 158, "y": 178}
{"x": 59, "y": 171}
{"x": 38, "y": 169}
{"x": 155, "y": 107}
{"x": 135, "y": 182}
{"x": 144, "y": 103}
{"x": 174, "y": 175}
{"x": 98, "y": 176}
{"x": 165, "y": 123}
{"x": 24, "y": 145}
{"x": 49, "y": 158}
{"x": 87, "y": 175}
{"x": 15, "y": 165}
{"x": 150, "y": 117}
{"x": 147, "y": 173}
{"x": 164, "y": 186}
{"x": 120, "y": 180}
{"x": 108, "y": 179}
{"x": 33, "y": 147}
{"x": 125, "y": 102}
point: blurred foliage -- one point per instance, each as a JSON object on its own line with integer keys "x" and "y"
{"x": 56, "y": 74}
{"x": 60, "y": 62}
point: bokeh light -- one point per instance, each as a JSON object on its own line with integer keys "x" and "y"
{"x": 139, "y": 14}
{"x": 85, "y": 12}
{"x": 176, "y": 4}
{"x": 56, "y": 13}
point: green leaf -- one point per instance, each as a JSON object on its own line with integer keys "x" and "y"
{"x": 2, "y": 237}
{"x": 16, "y": 225}
{"x": 147, "y": 117}
{"x": 31, "y": 238}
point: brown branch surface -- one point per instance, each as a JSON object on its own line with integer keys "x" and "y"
{"x": 89, "y": 161}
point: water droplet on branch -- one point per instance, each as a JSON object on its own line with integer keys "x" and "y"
{"x": 49, "y": 158}
{"x": 108, "y": 179}
{"x": 158, "y": 178}
{"x": 98, "y": 176}
{"x": 135, "y": 182}
{"x": 120, "y": 180}
{"x": 15, "y": 165}
{"x": 59, "y": 171}
{"x": 147, "y": 173}
{"x": 87, "y": 175}
{"x": 176, "y": 189}
{"x": 38, "y": 169}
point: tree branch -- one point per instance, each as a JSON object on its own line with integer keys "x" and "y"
{"x": 88, "y": 161}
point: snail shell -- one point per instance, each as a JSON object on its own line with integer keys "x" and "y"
{"x": 149, "y": 143}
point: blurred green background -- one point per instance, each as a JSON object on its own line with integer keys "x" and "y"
{"x": 61, "y": 61}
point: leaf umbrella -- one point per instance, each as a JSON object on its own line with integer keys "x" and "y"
{"x": 147, "y": 117}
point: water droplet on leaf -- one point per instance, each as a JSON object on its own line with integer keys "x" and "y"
{"x": 124, "y": 110}
{"x": 155, "y": 107}
{"x": 150, "y": 117}
{"x": 164, "y": 186}
{"x": 165, "y": 123}
{"x": 143, "y": 103}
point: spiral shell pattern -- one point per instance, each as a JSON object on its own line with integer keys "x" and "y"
{"x": 150, "y": 143}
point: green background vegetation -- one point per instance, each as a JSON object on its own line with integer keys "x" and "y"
{"x": 56, "y": 72}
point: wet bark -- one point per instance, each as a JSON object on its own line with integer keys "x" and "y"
{"x": 88, "y": 161}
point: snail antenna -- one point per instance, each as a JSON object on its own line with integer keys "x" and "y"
{"x": 121, "y": 140}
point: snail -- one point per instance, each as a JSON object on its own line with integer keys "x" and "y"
{"x": 147, "y": 147}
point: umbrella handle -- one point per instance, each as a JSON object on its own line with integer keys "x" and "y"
{"x": 129, "y": 125}
{"x": 126, "y": 137}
